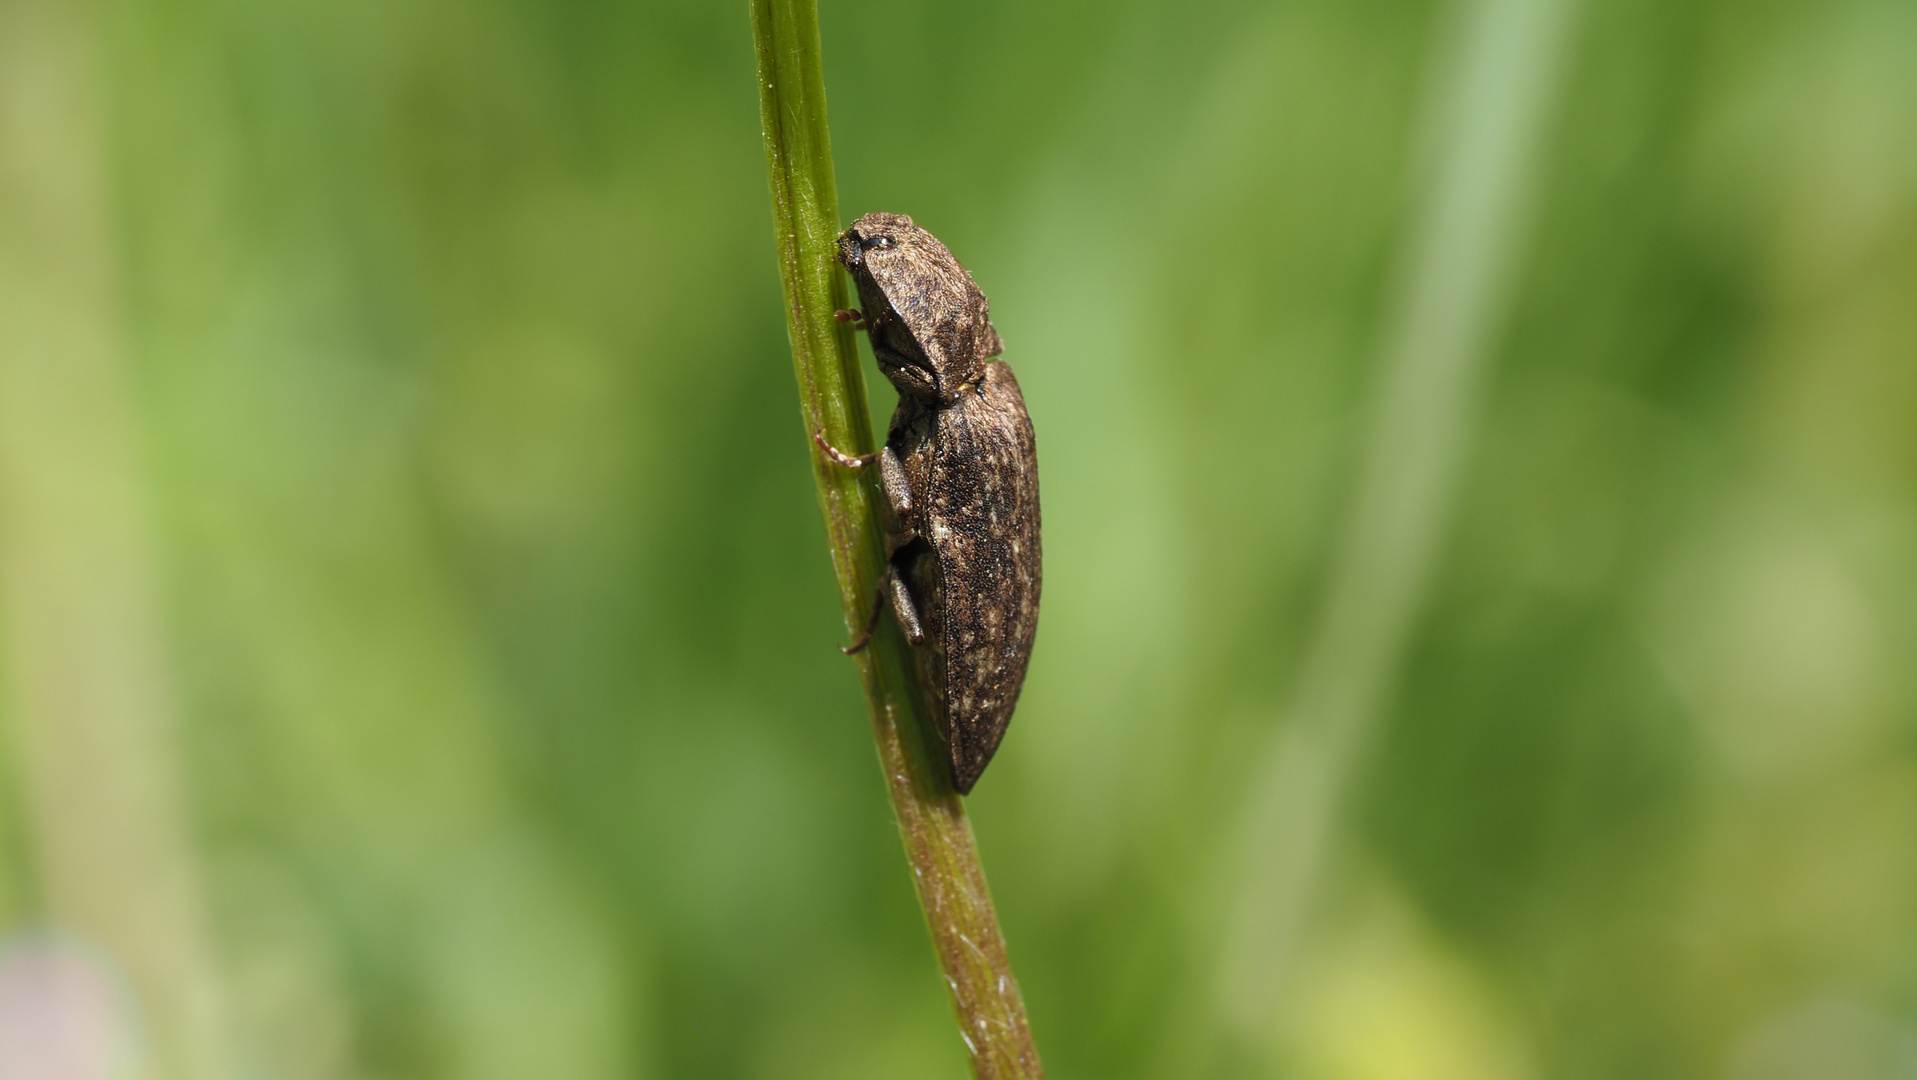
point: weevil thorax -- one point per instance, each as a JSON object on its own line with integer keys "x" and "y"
{"x": 929, "y": 323}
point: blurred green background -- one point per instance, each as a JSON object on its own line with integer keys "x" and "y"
{"x": 419, "y": 639}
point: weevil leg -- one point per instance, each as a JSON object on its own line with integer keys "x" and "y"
{"x": 905, "y": 609}
{"x": 872, "y": 622}
{"x": 892, "y": 479}
{"x": 848, "y": 460}
{"x": 892, "y": 587}
{"x": 891, "y": 470}
{"x": 851, "y": 315}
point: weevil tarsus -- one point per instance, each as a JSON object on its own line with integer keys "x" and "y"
{"x": 851, "y": 315}
{"x": 850, "y": 461}
{"x": 898, "y": 491}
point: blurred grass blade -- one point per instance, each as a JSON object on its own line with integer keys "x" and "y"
{"x": 938, "y": 839}
{"x": 88, "y": 701}
{"x": 1486, "y": 112}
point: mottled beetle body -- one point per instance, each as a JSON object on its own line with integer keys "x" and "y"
{"x": 960, "y": 473}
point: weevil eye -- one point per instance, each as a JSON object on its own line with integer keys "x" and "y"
{"x": 882, "y": 243}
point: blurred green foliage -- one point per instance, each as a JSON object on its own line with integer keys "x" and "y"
{"x": 496, "y": 615}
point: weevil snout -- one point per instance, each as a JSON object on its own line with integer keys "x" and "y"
{"x": 853, "y": 245}
{"x": 851, "y": 249}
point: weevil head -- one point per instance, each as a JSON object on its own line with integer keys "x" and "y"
{"x": 929, "y": 323}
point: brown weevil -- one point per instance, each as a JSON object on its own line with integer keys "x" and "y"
{"x": 960, "y": 474}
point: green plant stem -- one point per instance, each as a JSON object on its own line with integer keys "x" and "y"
{"x": 938, "y": 840}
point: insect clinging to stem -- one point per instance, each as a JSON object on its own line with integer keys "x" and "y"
{"x": 960, "y": 474}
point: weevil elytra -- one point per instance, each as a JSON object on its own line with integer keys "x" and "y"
{"x": 960, "y": 474}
